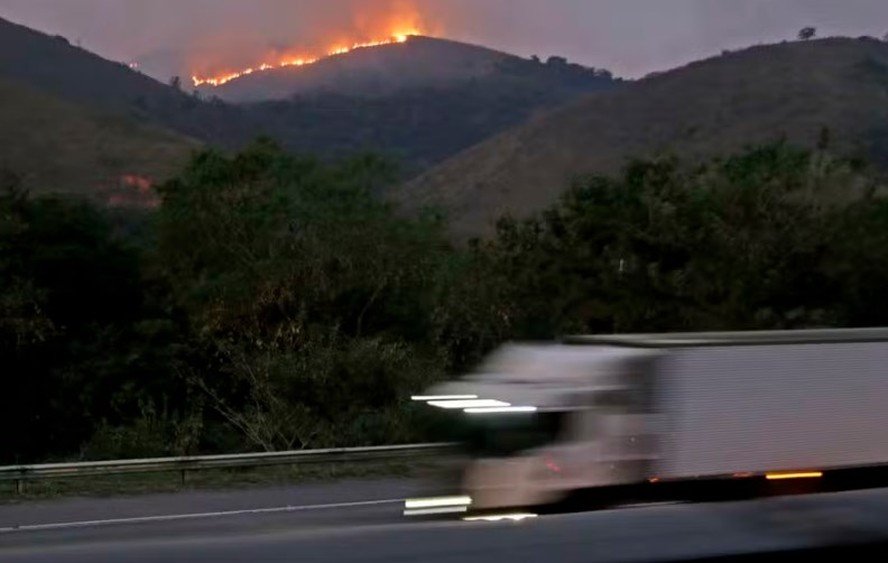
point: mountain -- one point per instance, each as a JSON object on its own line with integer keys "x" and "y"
{"x": 420, "y": 102}
{"x": 72, "y": 122}
{"x": 790, "y": 90}
{"x": 418, "y": 63}
{"x": 56, "y": 146}
{"x": 53, "y": 65}
{"x": 421, "y": 125}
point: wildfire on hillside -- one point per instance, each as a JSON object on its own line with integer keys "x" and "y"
{"x": 133, "y": 191}
{"x": 398, "y": 34}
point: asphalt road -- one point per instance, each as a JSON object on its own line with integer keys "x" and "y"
{"x": 362, "y": 521}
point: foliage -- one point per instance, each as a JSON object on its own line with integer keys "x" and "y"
{"x": 807, "y": 33}
{"x": 275, "y": 302}
{"x": 760, "y": 240}
{"x": 307, "y": 292}
{"x": 77, "y": 342}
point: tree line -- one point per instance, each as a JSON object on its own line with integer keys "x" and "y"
{"x": 276, "y": 301}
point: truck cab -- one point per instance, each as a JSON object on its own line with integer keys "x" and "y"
{"x": 537, "y": 422}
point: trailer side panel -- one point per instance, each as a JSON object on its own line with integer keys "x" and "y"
{"x": 766, "y": 408}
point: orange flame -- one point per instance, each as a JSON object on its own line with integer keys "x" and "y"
{"x": 133, "y": 191}
{"x": 400, "y": 36}
{"x": 140, "y": 183}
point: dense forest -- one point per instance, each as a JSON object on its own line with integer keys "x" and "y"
{"x": 274, "y": 301}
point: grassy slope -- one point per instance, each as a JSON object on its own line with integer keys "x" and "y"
{"x": 64, "y": 148}
{"x": 706, "y": 108}
{"x": 421, "y": 62}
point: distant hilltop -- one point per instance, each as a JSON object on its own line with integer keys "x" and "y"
{"x": 415, "y": 62}
{"x": 417, "y": 101}
{"x": 793, "y": 90}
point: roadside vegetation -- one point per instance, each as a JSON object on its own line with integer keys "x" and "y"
{"x": 274, "y": 302}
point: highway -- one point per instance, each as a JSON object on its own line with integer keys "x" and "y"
{"x": 363, "y": 521}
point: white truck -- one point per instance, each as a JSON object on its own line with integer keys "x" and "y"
{"x": 594, "y": 413}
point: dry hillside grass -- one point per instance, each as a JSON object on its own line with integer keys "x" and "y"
{"x": 60, "y": 147}
{"x": 706, "y": 108}
{"x": 420, "y": 62}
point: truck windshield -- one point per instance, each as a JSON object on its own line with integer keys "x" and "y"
{"x": 505, "y": 435}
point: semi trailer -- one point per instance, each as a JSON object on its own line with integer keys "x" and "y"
{"x": 539, "y": 423}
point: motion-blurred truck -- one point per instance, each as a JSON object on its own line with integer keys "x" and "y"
{"x": 602, "y": 414}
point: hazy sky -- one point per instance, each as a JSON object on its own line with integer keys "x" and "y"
{"x": 629, "y": 37}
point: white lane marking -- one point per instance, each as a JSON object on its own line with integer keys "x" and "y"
{"x": 516, "y": 517}
{"x": 652, "y": 504}
{"x": 437, "y": 502}
{"x": 433, "y": 511}
{"x": 194, "y": 516}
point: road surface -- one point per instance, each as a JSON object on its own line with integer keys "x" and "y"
{"x": 362, "y": 521}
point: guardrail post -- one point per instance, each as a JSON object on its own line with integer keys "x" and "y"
{"x": 184, "y": 477}
{"x": 19, "y": 486}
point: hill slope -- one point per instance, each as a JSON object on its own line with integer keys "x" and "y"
{"x": 50, "y": 64}
{"x": 53, "y": 65}
{"x": 56, "y": 146}
{"x": 422, "y": 125}
{"x": 710, "y": 107}
{"x": 420, "y": 62}
{"x": 447, "y": 96}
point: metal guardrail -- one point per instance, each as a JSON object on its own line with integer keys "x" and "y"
{"x": 22, "y": 473}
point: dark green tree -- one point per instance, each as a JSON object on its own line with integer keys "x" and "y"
{"x": 807, "y": 33}
{"x": 78, "y": 348}
{"x": 759, "y": 240}
{"x": 311, "y": 295}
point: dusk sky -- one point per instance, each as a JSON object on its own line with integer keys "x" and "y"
{"x": 629, "y": 37}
